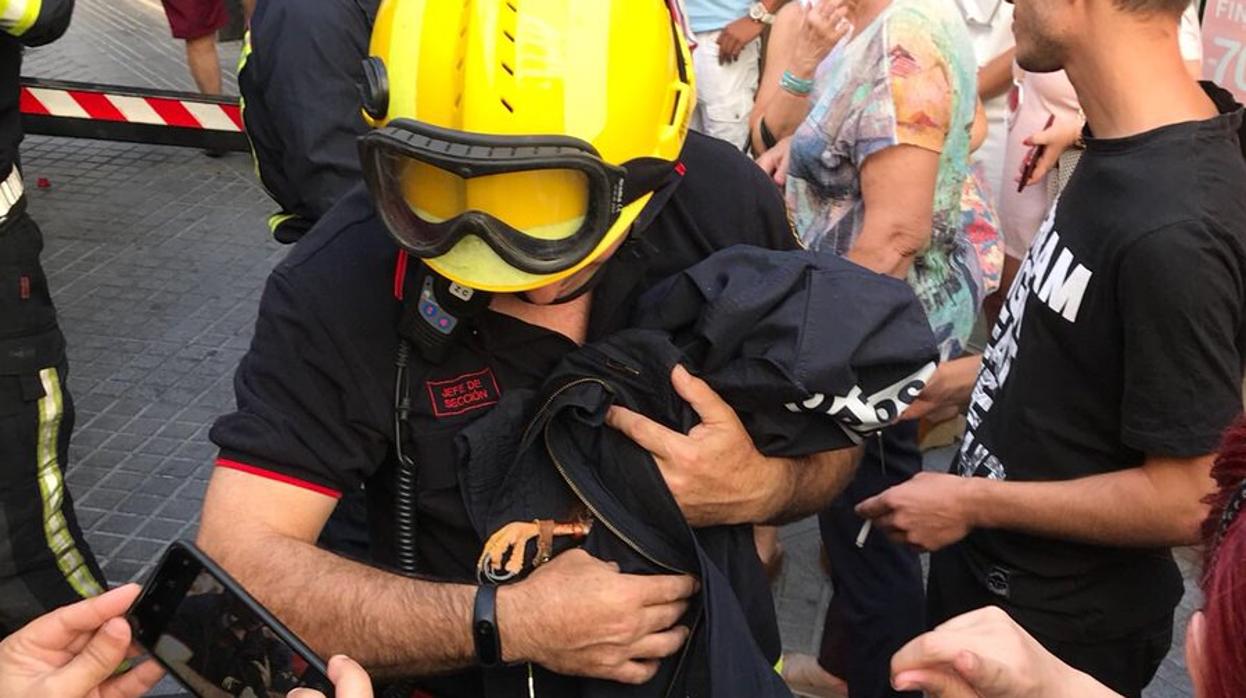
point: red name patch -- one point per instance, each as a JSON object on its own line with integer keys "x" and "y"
{"x": 464, "y": 393}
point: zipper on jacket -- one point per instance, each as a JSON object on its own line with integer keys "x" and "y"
{"x": 683, "y": 654}
{"x": 580, "y": 494}
{"x": 562, "y": 471}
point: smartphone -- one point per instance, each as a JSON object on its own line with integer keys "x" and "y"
{"x": 214, "y": 637}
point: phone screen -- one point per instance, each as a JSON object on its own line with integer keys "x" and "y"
{"x": 212, "y": 640}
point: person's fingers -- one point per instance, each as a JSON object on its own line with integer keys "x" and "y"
{"x": 985, "y": 616}
{"x": 349, "y": 679}
{"x": 636, "y": 672}
{"x": 838, "y": 22}
{"x": 937, "y": 683}
{"x": 133, "y": 683}
{"x": 780, "y": 173}
{"x": 1045, "y": 137}
{"x": 304, "y": 693}
{"x": 96, "y": 662}
{"x": 708, "y": 405}
{"x": 659, "y": 589}
{"x": 937, "y": 648}
{"x": 660, "y": 645}
{"x": 874, "y": 507}
{"x": 920, "y": 408}
{"x": 662, "y": 617}
{"x": 60, "y": 628}
{"x": 647, "y": 434}
{"x": 728, "y": 47}
{"x": 1045, "y": 163}
{"x": 725, "y": 42}
{"x": 766, "y": 162}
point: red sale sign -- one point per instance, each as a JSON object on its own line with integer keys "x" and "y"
{"x": 1224, "y": 45}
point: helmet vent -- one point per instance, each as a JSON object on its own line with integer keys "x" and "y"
{"x": 509, "y": 70}
{"x": 679, "y": 96}
{"x": 508, "y": 106}
{"x": 506, "y": 33}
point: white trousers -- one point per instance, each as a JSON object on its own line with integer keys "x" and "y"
{"x": 725, "y": 92}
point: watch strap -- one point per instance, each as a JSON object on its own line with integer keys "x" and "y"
{"x": 759, "y": 13}
{"x": 485, "y": 627}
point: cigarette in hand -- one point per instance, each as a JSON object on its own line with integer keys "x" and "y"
{"x": 864, "y": 533}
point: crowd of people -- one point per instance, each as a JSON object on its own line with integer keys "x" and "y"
{"x": 488, "y": 219}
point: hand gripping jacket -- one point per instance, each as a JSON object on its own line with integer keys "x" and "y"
{"x": 813, "y": 352}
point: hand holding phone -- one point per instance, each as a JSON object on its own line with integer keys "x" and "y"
{"x": 1032, "y": 157}
{"x": 214, "y": 637}
{"x": 75, "y": 651}
{"x": 349, "y": 680}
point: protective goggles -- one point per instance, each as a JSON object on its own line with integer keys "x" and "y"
{"x": 542, "y": 203}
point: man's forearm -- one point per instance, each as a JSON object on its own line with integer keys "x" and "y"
{"x": 1124, "y": 508}
{"x": 393, "y": 625}
{"x": 811, "y": 482}
{"x": 995, "y": 78}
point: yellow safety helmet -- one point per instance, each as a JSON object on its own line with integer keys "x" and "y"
{"x": 516, "y": 141}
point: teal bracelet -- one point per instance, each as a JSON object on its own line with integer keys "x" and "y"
{"x": 800, "y": 87}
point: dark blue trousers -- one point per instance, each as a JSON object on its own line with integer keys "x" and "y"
{"x": 879, "y": 601}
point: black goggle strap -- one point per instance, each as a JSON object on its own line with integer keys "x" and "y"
{"x": 643, "y": 176}
{"x": 660, "y": 196}
{"x": 1231, "y": 510}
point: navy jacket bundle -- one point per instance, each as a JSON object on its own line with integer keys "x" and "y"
{"x": 812, "y": 351}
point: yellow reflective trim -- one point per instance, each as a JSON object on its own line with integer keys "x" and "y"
{"x": 778, "y": 666}
{"x": 275, "y": 220}
{"x": 29, "y": 15}
{"x": 52, "y": 490}
{"x": 18, "y": 16}
{"x": 246, "y": 50}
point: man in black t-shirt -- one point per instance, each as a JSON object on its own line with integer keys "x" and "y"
{"x": 1113, "y": 368}
{"x": 566, "y": 231}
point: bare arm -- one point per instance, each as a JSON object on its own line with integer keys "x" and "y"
{"x": 1156, "y": 504}
{"x": 980, "y": 129}
{"x": 782, "y": 110}
{"x": 575, "y": 615}
{"x": 263, "y": 532}
{"x": 995, "y": 78}
{"x": 897, "y": 188}
{"x": 799, "y": 40}
{"x": 949, "y": 388}
{"x": 806, "y": 485}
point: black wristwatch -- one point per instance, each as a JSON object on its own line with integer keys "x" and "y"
{"x": 485, "y": 627}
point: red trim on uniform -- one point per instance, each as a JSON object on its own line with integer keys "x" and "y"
{"x": 318, "y": 489}
{"x": 97, "y": 106}
{"x": 30, "y": 104}
{"x": 173, "y": 113}
{"x": 234, "y": 112}
{"x": 680, "y": 169}
{"x": 400, "y": 274}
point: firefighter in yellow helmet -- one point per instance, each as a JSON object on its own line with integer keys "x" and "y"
{"x": 530, "y": 173}
{"x": 517, "y": 167}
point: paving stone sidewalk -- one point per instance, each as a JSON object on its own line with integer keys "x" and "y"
{"x": 157, "y": 257}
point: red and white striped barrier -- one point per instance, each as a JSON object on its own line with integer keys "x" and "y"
{"x": 82, "y": 110}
